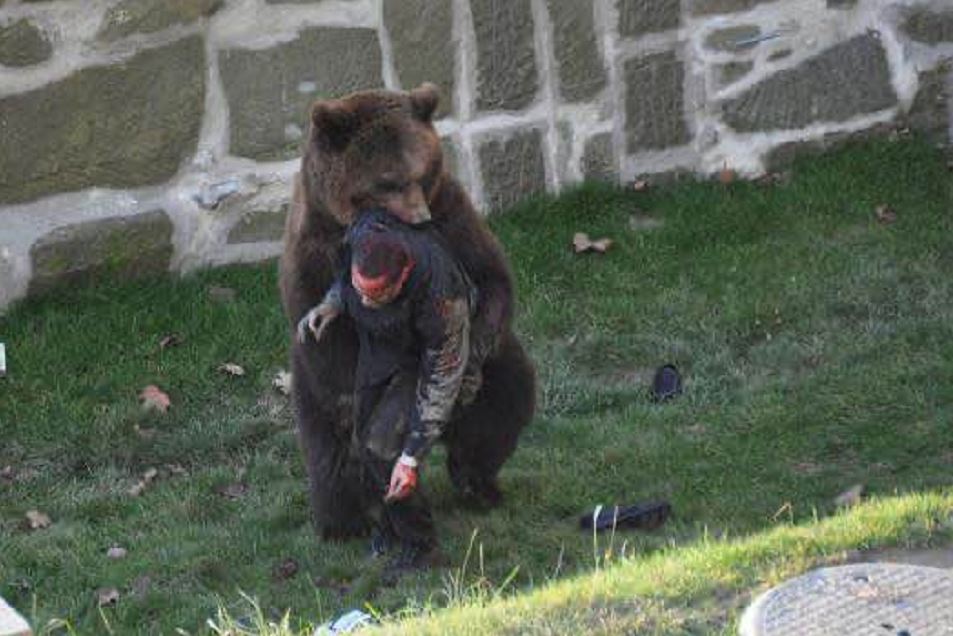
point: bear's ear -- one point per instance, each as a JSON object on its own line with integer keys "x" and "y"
{"x": 332, "y": 122}
{"x": 423, "y": 100}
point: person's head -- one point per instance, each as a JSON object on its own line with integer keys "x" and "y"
{"x": 380, "y": 265}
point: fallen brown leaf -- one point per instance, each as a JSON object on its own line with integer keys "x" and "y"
{"x": 282, "y": 382}
{"x": 582, "y": 243}
{"x": 726, "y": 175}
{"x": 38, "y": 520}
{"x": 885, "y": 214}
{"x": 221, "y": 294}
{"x": 176, "y": 469}
{"x": 285, "y": 570}
{"x": 136, "y": 489}
{"x": 140, "y": 586}
{"x": 640, "y": 185}
{"x": 850, "y": 497}
{"x": 171, "y": 340}
{"x": 153, "y": 397}
{"x": 107, "y": 596}
{"x": 116, "y": 552}
{"x": 147, "y": 478}
{"x": 233, "y": 491}
{"x": 231, "y": 369}
{"x": 7, "y": 474}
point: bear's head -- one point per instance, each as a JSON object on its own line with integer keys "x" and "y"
{"x": 374, "y": 149}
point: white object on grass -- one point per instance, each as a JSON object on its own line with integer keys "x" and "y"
{"x": 11, "y": 623}
{"x": 345, "y": 623}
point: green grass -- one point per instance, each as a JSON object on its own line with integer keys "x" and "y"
{"x": 817, "y": 347}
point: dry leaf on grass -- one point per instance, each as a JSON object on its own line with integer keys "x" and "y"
{"x": 726, "y": 175}
{"x": 282, "y": 382}
{"x": 7, "y": 474}
{"x": 136, "y": 489}
{"x": 640, "y": 185}
{"x": 231, "y": 369}
{"x": 232, "y": 491}
{"x": 116, "y": 552}
{"x": 147, "y": 478}
{"x": 154, "y": 398}
{"x": 850, "y": 497}
{"x": 885, "y": 214}
{"x": 582, "y": 243}
{"x": 171, "y": 340}
{"x": 38, "y": 520}
{"x": 107, "y": 596}
{"x": 140, "y": 586}
{"x": 285, "y": 570}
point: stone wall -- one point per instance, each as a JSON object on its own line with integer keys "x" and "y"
{"x": 144, "y": 135}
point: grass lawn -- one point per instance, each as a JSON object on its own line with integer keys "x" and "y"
{"x": 817, "y": 347}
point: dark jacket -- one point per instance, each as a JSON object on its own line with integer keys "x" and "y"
{"x": 424, "y": 331}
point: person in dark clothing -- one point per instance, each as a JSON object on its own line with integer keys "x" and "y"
{"x": 411, "y": 304}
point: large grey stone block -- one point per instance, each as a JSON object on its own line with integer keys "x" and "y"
{"x": 512, "y": 168}
{"x": 581, "y": 71}
{"x": 598, "y": 159}
{"x": 118, "y": 246}
{"x": 654, "y": 102}
{"x": 259, "y": 225}
{"x": 930, "y": 111}
{"x": 421, "y": 35}
{"x": 507, "y": 78}
{"x": 930, "y": 27}
{"x": 127, "y": 125}
{"x": 269, "y": 91}
{"x": 638, "y": 17}
{"x": 148, "y": 16}
{"x": 846, "y": 80}
{"x": 705, "y": 7}
{"x": 23, "y": 44}
{"x": 730, "y": 72}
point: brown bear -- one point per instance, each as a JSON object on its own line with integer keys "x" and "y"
{"x": 380, "y": 149}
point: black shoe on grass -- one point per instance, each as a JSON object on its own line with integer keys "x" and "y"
{"x": 666, "y": 384}
{"x": 647, "y": 516}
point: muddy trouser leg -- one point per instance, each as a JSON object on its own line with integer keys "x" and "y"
{"x": 384, "y": 429}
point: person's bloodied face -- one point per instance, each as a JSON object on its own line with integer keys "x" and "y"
{"x": 377, "y": 291}
{"x": 381, "y": 266}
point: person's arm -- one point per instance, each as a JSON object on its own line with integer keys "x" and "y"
{"x": 444, "y": 326}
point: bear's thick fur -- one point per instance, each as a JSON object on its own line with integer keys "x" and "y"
{"x": 380, "y": 149}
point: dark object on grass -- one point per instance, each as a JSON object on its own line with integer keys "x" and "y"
{"x": 646, "y": 516}
{"x": 666, "y": 384}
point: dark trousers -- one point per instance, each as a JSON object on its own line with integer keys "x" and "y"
{"x": 383, "y": 413}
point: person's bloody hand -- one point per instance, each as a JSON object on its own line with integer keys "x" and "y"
{"x": 403, "y": 479}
